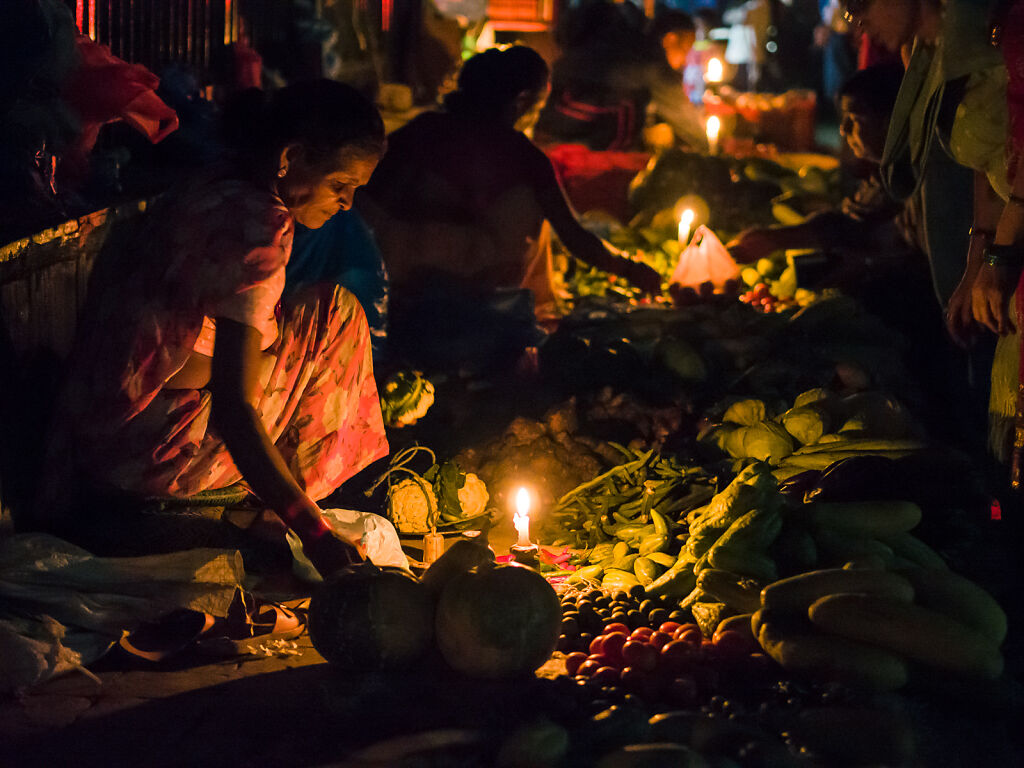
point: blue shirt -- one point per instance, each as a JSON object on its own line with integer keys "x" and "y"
{"x": 343, "y": 251}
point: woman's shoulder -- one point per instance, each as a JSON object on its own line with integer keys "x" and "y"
{"x": 231, "y": 207}
{"x": 239, "y": 195}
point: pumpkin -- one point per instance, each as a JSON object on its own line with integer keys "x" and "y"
{"x": 497, "y": 622}
{"x": 370, "y": 618}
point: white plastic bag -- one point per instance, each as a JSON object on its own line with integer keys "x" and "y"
{"x": 377, "y": 535}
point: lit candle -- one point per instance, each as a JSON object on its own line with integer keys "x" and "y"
{"x": 714, "y": 73}
{"x": 685, "y": 225}
{"x": 714, "y": 125}
{"x": 521, "y": 520}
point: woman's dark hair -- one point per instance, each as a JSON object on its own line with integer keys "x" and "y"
{"x": 875, "y": 88}
{"x": 492, "y": 80}
{"x": 322, "y": 116}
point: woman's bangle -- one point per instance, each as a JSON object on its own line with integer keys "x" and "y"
{"x": 1003, "y": 255}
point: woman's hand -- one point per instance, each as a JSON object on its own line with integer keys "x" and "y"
{"x": 644, "y": 277}
{"x": 990, "y": 298}
{"x": 959, "y": 318}
{"x": 753, "y": 244}
{"x": 329, "y": 552}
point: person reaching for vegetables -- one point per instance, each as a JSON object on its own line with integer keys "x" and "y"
{"x": 869, "y": 220}
{"x": 189, "y": 375}
{"x": 460, "y": 200}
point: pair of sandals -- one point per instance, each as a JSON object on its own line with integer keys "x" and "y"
{"x": 250, "y": 624}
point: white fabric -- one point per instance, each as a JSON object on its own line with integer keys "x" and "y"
{"x": 377, "y": 535}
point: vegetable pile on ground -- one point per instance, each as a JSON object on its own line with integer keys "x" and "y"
{"x": 557, "y": 453}
{"x": 635, "y": 503}
{"x": 442, "y": 497}
{"x": 820, "y": 429}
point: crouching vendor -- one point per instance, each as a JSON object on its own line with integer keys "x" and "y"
{"x": 189, "y": 375}
{"x": 459, "y": 206}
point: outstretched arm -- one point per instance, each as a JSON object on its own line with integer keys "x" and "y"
{"x": 234, "y": 385}
{"x": 585, "y": 245}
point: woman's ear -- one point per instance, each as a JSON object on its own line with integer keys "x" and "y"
{"x": 289, "y": 156}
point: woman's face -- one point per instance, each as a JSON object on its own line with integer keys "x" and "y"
{"x": 529, "y": 107}
{"x": 890, "y": 23}
{"x": 313, "y": 193}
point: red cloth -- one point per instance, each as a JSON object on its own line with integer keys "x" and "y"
{"x": 105, "y": 89}
{"x": 596, "y": 180}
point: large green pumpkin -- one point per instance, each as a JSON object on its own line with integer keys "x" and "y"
{"x": 366, "y": 618}
{"x": 497, "y": 622}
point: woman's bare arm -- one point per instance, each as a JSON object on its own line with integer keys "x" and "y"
{"x": 234, "y": 385}
{"x": 585, "y": 245}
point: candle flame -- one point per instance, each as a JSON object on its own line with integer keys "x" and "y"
{"x": 685, "y": 225}
{"x": 715, "y": 71}
{"x": 714, "y": 125}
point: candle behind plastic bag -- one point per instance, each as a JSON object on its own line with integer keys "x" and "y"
{"x": 377, "y": 535}
{"x": 704, "y": 260}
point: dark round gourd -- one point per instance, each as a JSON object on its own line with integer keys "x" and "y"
{"x": 497, "y": 622}
{"x": 366, "y": 618}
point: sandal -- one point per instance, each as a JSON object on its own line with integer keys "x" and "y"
{"x": 249, "y": 624}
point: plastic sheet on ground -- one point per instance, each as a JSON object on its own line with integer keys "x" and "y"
{"x": 63, "y": 607}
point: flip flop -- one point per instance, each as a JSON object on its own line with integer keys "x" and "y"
{"x": 270, "y": 622}
{"x": 250, "y": 623}
{"x": 155, "y": 641}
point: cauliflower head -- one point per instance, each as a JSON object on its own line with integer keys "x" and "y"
{"x": 411, "y": 505}
{"x": 473, "y": 496}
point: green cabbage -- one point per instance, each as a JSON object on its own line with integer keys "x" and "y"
{"x": 811, "y": 396}
{"x": 746, "y": 412}
{"x": 807, "y": 424}
{"x": 768, "y": 442}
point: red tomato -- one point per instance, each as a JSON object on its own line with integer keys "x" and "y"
{"x": 691, "y": 636}
{"x": 599, "y": 658}
{"x": 616, "y": 626}
{"x": 686, "y": 628}
{"x": 761, "y": 290}
{"x": 682, "y": 691}
{"x": 633, "y": 679}
{"x": 660, "y": 639}
{"x": 669, "y": 627}
{"x": 641, "y": 633}
{"x": 612, "y": 647}
{"x": 640, "y": 656}
{"x": 734, "y": 644}
{"x": 573, "y": 662}
{"x": 607, "y": 676}
{"x": 597, "y": 644}
{"x": 677, "y": 656}
{"x": 588, "y": 668}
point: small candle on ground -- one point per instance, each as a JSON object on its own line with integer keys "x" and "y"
{"x": 523, "y": 551}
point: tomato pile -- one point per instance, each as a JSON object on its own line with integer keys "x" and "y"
{"x": 760, "y": 297}
{"x": 657, "y": 655}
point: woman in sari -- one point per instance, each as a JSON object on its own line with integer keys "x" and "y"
{"x": 189, "y": 375}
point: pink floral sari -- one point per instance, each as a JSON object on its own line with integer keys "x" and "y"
{"x": 217, "y": 251}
